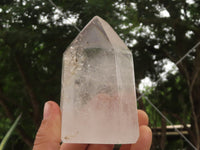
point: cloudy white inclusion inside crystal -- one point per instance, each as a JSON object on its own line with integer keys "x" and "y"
{"x": 98, "y": 100}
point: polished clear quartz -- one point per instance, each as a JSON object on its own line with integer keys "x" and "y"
{"x": 98, "y": 100}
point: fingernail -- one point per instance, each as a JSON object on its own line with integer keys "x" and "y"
{"x": 47, "y": 108}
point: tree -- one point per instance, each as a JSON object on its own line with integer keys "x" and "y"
{"x": 171, "y": 36}
{"x": 171, "y": 98}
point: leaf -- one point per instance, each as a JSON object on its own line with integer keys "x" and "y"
{"x": 8, "y": 134}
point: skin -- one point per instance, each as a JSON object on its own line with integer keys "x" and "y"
{"x": 49, "y": 133}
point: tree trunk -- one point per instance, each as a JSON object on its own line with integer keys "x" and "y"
{"x": 163, "y": 134}
{"x": 195, "y": 95}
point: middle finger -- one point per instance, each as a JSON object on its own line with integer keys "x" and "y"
{"x": 66, "y": 146}
{"x": 100, "y": 147}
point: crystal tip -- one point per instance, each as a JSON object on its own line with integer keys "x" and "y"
{"x": 96, "y": 18}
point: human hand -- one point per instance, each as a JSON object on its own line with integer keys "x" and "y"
{"x": 49, "y": 133}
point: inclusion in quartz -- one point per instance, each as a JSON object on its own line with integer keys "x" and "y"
{"x": 98, "y": 100}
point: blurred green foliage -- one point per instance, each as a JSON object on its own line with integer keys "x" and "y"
{"x": 33, "y": 38}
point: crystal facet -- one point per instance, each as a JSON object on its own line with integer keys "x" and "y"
{"x": 98, "y": 100}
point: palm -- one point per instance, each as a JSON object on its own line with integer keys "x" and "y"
{"x": 48, "y": 135}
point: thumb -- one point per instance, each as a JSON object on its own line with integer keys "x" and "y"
{"x": 48, "y": 135}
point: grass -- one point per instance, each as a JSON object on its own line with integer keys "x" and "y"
{"x": 9, "y": 133}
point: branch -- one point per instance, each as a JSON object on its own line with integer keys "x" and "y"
{"x": 195, "y": 76}
{"x": 191, "y": 85}
{"x": 196, "y": 126}
{"x": 2, "y": 96}
{"x": 34, "y": 102}
{"x": 25, "y": 138}
{"x": 184, "y": 71}
{"x": 169, "y": 56}
{"x": 7, "y": 111}
{"x": 197, "y": 70}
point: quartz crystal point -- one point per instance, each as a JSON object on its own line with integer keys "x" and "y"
{"x": 98, "y": 100}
